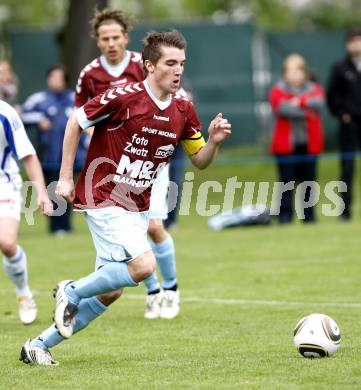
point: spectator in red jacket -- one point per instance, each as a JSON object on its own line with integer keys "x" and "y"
{"x": 297, "y": 138}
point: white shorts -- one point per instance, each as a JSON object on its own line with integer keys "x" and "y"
{"x": 118, "y": 234}
{"x": 158, "y": 200}
{"x": 10, "y": 200}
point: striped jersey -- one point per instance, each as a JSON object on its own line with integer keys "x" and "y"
{"x": 134, "y": 137}
{"x": 98, "y": 76}
{"x": 14, "y": 143}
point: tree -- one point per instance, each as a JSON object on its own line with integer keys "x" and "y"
{"x": 32, "y": 13}
{"x": 331, "y": 15}
{"x": 77, "y": 46}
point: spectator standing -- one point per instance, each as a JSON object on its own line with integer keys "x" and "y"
{"x": 297, "y": 137}
{"x": 344, "y": 102}
{"x": 8, "y": 83}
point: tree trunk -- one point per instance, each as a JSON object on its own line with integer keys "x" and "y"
{"x": 78, "y": 48}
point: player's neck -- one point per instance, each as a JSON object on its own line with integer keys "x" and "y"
{"x": 356, "y": 57}
{"x": 157, "y": 92}
{"x": 115, "y": 62}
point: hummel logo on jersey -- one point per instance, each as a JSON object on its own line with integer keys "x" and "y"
{"x": 137, "y": 57}
{"x": 117, "y": 82}
{"x": 113, "y": 93}
{"x": 164, "y": 151}
{"x": 108, "y": 96}
{"x": 161, "y": 118}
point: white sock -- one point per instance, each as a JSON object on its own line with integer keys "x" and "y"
{"x": 17, "y": 271}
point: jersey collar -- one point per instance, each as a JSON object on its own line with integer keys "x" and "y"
{"x": 162, "y": 105}
{"x": 116, "y": 70}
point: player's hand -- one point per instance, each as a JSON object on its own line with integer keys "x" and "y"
{"x": 45, "y": 204}
{"x": 295, "y": 101}
{"x": 346, "y": 118}
{"x": 65, "y": 189}
{"x": 219, "y": 129}
{"x": 44, "y": 124}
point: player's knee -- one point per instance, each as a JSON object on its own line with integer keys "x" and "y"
{"x": 154, "y": 227}
{"x": 156, "y": 230}
{"x": 148, "y": 269}
{"x": 110, "y": 297}
{"x": 143, "y": 269}
{"x": 8, "y": 246}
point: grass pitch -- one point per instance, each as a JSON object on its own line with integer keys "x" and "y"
{"x": 242, "y": 290}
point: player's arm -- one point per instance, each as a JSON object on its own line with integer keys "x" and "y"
{"x": 22, "y": 148}
{"x": 65, "y": 186}
{"x": 86, "y": 116}
{"x": 219, "y": 129}
{"x": 82, "y": 95}
{"x": 33, "y": 114}
{"x": 35, "y": 174}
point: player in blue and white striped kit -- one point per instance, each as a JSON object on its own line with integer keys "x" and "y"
{"x": 15, "y": 145}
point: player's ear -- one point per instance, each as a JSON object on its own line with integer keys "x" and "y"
{"x": 149, "y": 66}
{"x": 126, "y": 36}
{"x": 97, "y": 42}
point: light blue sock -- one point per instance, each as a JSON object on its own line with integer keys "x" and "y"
{"x": 152, "y": 284}
{"x": 89, "y": 310}
{"x": 17, "y": 271}
{"x": 165, "y": 254}
{"x": 110, "y": 277}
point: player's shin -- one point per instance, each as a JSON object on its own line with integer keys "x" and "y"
{"x": 165, "y": 254}
{"x": 89, "y": 310}
{"x": 152, "y": 284}
{"x": 16, "y": 269}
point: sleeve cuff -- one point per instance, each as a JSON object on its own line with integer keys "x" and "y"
{"x": 83, "y": 121}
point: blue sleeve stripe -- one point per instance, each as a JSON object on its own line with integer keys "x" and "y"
{"x": 7, "y": 152}
{"x": 8, "y": 134}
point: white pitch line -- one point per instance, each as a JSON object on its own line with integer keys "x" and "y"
{"x": 224, "y": 301}
{"x": 250, "y": 302}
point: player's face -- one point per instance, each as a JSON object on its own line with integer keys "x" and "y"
{"x": 112, "y": 42}
{"x": 5, "y": 72}
{"x": 167, "y": 72}
{"x": 354, "y": 47}
{"x": 295, "y": 75}
{"x": 56, "y": 80}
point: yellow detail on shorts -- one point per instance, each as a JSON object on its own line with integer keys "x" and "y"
{"x": 193, "y": 144}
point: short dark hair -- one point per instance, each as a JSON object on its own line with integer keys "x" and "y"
{"x": 107, "y": 16}
{"x": 153, "y": 42}
{"x": 352, "y": 33}
{"x": 59, "y": 67}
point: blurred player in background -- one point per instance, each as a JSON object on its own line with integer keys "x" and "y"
{"x": 117, "y": 67}
{"x": 49, "y": 110}
{"x": 136, "y": 131}
{"x": 8, "y": 83}
{"x": 14, "y": 144}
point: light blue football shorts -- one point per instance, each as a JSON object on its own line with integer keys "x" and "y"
{"x": 118, "y": 234}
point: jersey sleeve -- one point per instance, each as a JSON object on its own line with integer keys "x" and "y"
{"x": 82, "y": 90}
{"x": 100, "y": 107}
{"x": 31, "y": 111}
{"x": 16, "y": 135}
{"x": 192, "y": 139}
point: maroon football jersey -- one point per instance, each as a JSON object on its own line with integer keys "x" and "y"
{"x": 133, "y": 140}
{"x": 95, "y": 79}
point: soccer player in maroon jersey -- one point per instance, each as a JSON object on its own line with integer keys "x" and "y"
{"x": 136, "y": 130}
{"x": 118, "y": 66}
